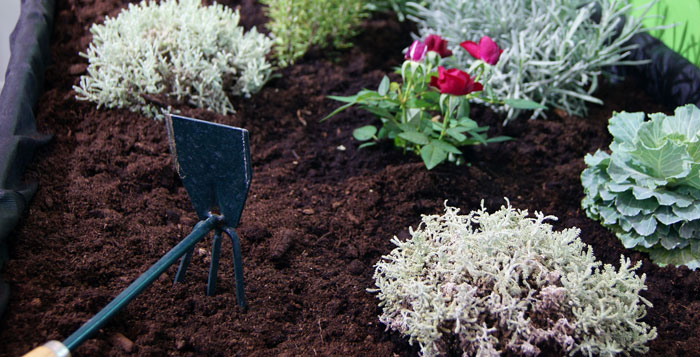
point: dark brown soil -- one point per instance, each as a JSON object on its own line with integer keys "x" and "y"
{"x": 317, "y": 219}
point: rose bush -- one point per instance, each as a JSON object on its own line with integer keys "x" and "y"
{"x": 432, "y": 123}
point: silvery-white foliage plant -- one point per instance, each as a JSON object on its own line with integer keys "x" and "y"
{"x": 487, "y": 284}
{"x": 182, "y": 50}
{"x": 555, "y": 50}
{"x": 647, "y": 189}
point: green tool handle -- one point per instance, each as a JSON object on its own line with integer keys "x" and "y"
{"x": 145, "y": 280}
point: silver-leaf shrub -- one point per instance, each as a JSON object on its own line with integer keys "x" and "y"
{"x": 647, "y": 190}
{"x": 505, "y": 283}
{"x": 554, "y": 49}
{"x": 181, "y": 49}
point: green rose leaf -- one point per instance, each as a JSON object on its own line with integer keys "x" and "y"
{"x": 498, "y": 139}
{"x": 432, "y": 155}
{"x": 467, "y": 124}
{"x": 480, "y": 138}
{"x": 348, "y": 99}
{"x": 338, "y": 110}
{"x": 464, "y": 108}
{"x": 364, "y": 133}
{"x": 456, "y": 133}
{"x": 415, "y": 137}
{"x": 523, "y": 104}
{"x": 384, "y": 86}
{"x": 371, "y": 143}
{"x": 380, "y": 112}
{"x": 445, "y": 146}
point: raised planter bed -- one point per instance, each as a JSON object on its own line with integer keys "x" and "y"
{"x": 319, "y": 215}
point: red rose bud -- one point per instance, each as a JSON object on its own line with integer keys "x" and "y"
{"x": 486, "y": 50}
{"x": 454, "y": 81}
{"x": 438, "y": 44}
{"x": 417, "y": 51}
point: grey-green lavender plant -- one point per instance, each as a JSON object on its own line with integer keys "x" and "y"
{"x": 178, "y": 49}
{"x": 504, "y": 283}
{"x": 555, "y": 50}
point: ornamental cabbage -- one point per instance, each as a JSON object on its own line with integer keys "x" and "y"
{"x": 647, "y": 190}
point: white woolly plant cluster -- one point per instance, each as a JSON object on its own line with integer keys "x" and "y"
{"x": 554, "y": 50}
{"x": 505, "y": 283}
{"x": 181, "y": 49}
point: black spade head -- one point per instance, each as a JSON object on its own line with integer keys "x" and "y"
{"x": 213, "y": 161}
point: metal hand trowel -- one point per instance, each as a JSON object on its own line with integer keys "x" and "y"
{"x": 213, "y": 161}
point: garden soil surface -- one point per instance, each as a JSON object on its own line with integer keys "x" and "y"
{"x": 319, "y": 215}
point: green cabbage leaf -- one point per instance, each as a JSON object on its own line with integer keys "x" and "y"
{"x": 647, "y": 189}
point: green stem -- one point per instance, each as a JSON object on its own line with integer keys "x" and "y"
{"x": 446, "y": 120}
{"x": 480, "y": 71}
{"x": 404, "y": 100}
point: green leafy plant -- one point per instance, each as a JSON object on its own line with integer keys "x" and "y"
{"x": 555, "y": 50}
{"x": 178, "y": 51}
{"x": 428, "y": 112}
{"x": 647, "y": 190}
{"x": 675, "y": 25}
{"x": 297, "y": 25}
{"x": 503, "y": 283}
{"x": 684, "y": 42}
{"x": 400, "y": 7}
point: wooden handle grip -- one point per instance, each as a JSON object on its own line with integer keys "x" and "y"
{"x": 49, "y": 349}
{"x": 41, "y": 351}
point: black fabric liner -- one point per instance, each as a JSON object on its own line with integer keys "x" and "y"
{"x": 668, "y": 77}
{"x": 29, "y": 47}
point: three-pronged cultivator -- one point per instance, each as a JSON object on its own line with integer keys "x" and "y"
{"x": 213, "y": 161}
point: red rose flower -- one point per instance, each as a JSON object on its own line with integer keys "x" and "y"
{"x": 486, "y": 50}
{"x": 417, "y": 51}
{"x": 437, "y": 44}
{"x": 454, "y": 81}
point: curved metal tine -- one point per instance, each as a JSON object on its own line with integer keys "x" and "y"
{"x": 238, "y": 267}
{"x": 182, "y": 269}
{"x": 214, "y": 265}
